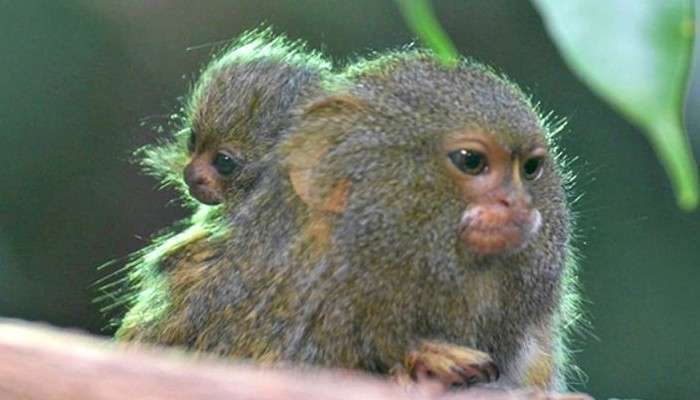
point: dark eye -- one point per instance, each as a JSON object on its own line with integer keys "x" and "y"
{"x": 225, "y": 164}
{"x": 191, "y": 141}
{"x": 532, "y": 168}
{"x": 468, "y": 161}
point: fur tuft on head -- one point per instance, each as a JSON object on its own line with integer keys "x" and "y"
{"x": 244, "y": 94}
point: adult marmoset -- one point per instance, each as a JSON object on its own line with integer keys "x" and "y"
{"x": 452, "y": 228}
{"x": 239, "y": 107}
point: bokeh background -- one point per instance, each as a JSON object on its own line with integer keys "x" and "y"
{"x": 84, "y": 83}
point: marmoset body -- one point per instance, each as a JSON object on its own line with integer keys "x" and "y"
{"x": 239, "y": 107}
{"x": 452, "y": 227}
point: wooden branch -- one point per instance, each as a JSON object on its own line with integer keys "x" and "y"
{"x": 43, "y": 363}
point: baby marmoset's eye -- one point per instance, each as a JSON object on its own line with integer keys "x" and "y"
{"x": 225, "y": 164}
{"x": 468, "y": 161}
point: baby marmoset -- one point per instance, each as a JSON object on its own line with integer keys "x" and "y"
{"x": 239, "y": 107}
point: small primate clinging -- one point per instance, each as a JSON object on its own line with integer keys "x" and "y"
{"x": 240, "y": 105}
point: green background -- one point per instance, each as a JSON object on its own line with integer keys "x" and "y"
{"x": 83, "y": 83}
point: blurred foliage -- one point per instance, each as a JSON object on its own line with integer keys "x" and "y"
{"x": 420, "y": 17}
{"x": 636, "y": 54}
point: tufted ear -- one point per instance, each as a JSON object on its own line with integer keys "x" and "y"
{"x": 312, "y": 140}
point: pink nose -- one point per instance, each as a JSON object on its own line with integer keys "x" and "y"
{"x": 512, "y": 198}
{"x": 195, "y": 174}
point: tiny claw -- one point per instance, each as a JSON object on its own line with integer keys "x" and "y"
{"x": 459, "y": 370}
{"x": 491, "y": 370}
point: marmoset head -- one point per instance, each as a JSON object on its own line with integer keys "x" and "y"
{"x": 450, "y": 158}
{"x": 240, "y": 105}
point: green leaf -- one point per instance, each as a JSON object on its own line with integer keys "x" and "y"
{"x": 420, "y": 17}
{"x": 636, "y": 54}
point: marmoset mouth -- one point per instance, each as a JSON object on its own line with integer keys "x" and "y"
{"x": 487, "y": 230}
{"x": 206, "y": 195}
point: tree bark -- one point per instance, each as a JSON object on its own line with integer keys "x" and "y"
{"x": 38, "y": 362}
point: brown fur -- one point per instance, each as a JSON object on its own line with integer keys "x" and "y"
{"x": 243, "y": 100}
